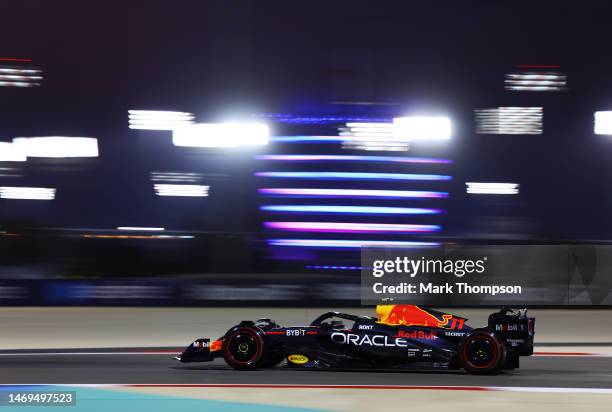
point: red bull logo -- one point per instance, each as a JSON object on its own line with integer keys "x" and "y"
{"x": 417, "y": 334}
{"x": 410, "y": 315}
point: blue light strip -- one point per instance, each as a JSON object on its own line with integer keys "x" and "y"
{"x": 334, "y": 267}
{"x": 309, "y": 139}
{"x": 351, "y": 158}
{"x": 351, "y": 209}
{"x": 352, "y": 176}
{"x": 332, "y": 243}
{"x": 297, "y": 119}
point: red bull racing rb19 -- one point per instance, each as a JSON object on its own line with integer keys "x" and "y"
{"x": 399, "y": 337}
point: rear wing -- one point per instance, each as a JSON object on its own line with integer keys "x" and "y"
{"x": 514, "y": 328}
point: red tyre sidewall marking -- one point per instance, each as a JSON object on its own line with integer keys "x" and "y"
{"x": 249, "y": 332}
{"x": 495, "y": 350}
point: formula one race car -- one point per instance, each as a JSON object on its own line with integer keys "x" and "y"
{"x": 400, "y": 337}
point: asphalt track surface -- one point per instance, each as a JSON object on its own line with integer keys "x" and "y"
{"x": 130, "y": 366}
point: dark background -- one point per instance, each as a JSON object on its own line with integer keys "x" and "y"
{"x": 246, "y": 58}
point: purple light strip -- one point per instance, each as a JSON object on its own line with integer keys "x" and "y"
{"x": 331, "y": 243}
{"x": 334, "y": 267}
{"x": 336, "y": 227}
{"x": 350, "y": 193}
{"x": 353, "y": 176}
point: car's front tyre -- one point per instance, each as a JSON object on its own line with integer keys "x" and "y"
{"x": 243, "y": 347}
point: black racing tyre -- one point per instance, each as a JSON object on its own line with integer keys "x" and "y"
{"x": 482, "y": 353}
{"x": 243, "y": 347}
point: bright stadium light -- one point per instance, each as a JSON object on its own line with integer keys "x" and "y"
{"x": 509, "y": 120}
{"x": 603, "y": 122}
{"x": 19, "y": 77}
{"x": 422, "y": 128}
{"x": 158, "y": 120}
{"x": 492, "y": 188}
{"x": 57, "y": 146}
{"x": 10, "y": 152}
{"x": 181, "y": 190}
{"x": 371, "y": 136}
{"x": 143, "y": 229}
{"x": 179, "y": 177}
{"x": 535, "y": 81}
{"x": 369, "y": 129}
{"x": 27, "y": 193}
{"x": 221, "y": 135}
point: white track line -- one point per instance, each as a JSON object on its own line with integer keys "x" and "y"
{"x": 552, "y": 390}
{"x": 87, "y": 353}
{"x": 525, "y": 389}
{"x": 572, "y": 354}
{"x": 172, "y": 352}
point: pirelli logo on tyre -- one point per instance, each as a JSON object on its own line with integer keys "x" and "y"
{"x": 297, "y": 359}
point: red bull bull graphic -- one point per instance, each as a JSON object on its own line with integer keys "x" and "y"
{"x": 412, "y": 315}
{"x": 216, "y": 345}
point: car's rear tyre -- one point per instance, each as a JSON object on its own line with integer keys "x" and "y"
{"x": 482, "y": 353}
{"x": 243, "y": 347}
